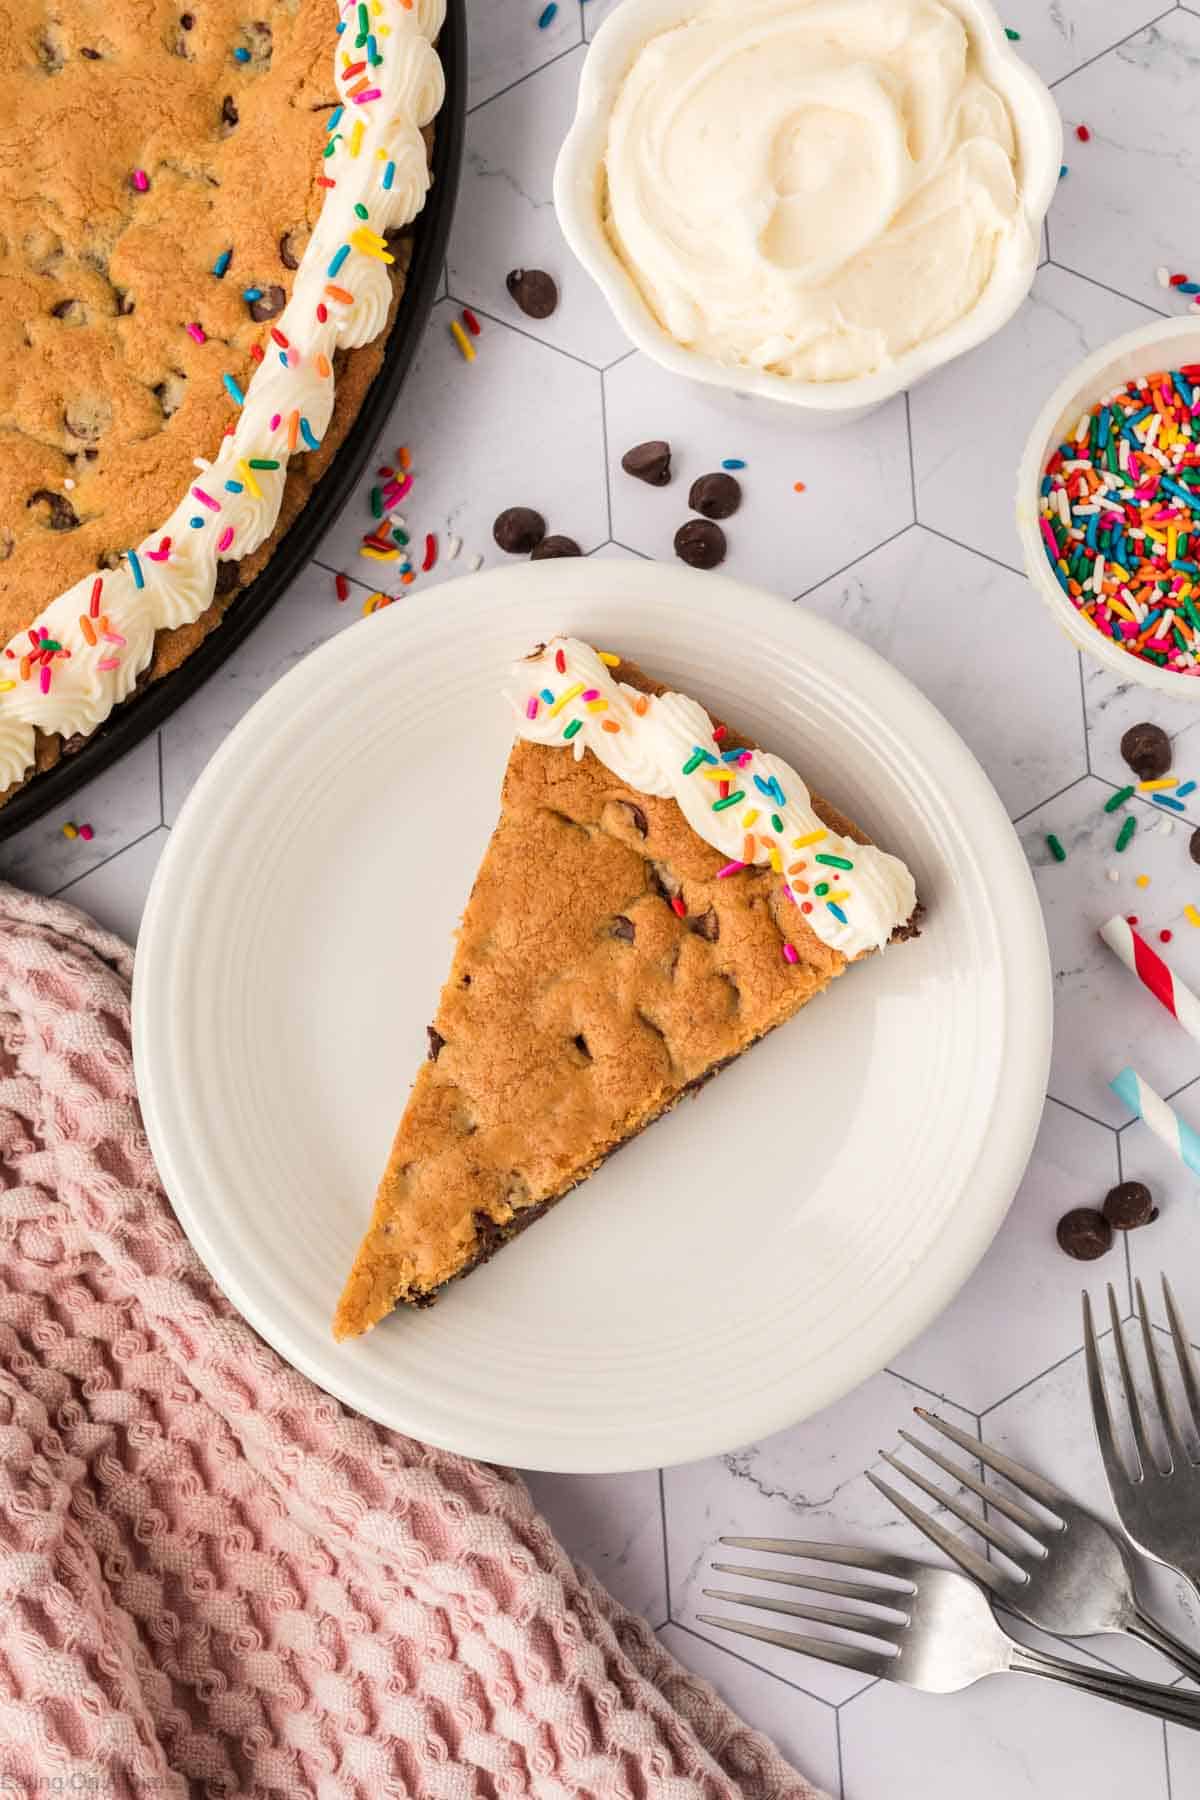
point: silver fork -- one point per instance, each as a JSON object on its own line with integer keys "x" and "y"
{"x": 1159, "y": 1507}
{"x": 938, "y": 1626}
{"x": 1072, "y": 1574}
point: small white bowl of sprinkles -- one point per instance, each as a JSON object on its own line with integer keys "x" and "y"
{"x": 1108, "y": 506}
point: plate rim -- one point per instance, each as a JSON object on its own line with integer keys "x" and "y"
{"x": 1019, "y": 1097}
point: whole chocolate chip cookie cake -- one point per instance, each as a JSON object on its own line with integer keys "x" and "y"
{"x": 657, "y": 896}
{"x": 202, "y": 245}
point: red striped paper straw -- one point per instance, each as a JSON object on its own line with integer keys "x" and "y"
{"x": 1153, "y": 973}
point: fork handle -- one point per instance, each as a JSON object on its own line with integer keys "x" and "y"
{"x": 1142, "y": 1626}
{"x": 1173, "y": 1704}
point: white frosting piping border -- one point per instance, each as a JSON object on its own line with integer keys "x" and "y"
{"x": 749, "y": 805}
{"x": 85, "y": 650}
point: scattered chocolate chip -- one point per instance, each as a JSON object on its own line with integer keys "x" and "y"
{"x": 1129, "y": 1205}
{"x": 1084, "y": 1234}
{"x": 623, "y": 928}
{"x": 61, "y": 512}
{"x": 269, "y": 304}
{"x": 716, "y": 496}
{"x": 437, "y": 1043}
{"x": 534, "y": 291}
{"x": 554, "y": 546}
{"x": 700, "y": 543}
{"x": 649, "y": 462}
{"x": 229, "y": 111}
{"x": 519, "y": 530}
{"x": 707, "y": 925}
{"x": 1147, "y": 750}
{"x": 1194, "y": 846}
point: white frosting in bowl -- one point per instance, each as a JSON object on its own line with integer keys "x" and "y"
{"x": 812, "y": 188}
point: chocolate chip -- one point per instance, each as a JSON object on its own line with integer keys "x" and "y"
{"x": 649, "y": 462}
{"x": 707, "y": 925}
{"x": 663, "y": 880}
{"x": 1147, "y": 750}
{"x": 581, "y": 1044}
{"x": 1194, "y": 846}
{"x": 716, "y": 496}
{"x": 290, "y": 246}
{"x": 187, "y": 20}
{"x": 437, "y": 1042}
{"x": 1129, "y": 1205}
{"x": 70, "y": 310}
{"x": 92, "y": 55}
{"x": 637, "y": 818}
{"x": 519, "y": 530}
{"x": 229, "y": 111}
{"x": 228, "y": 577}
{"x": 269, "y": 304}
{"x": 623, "y": 928}
{"x": 533, "y": 290}
{"x": 700, "y": 544}
{"x": 554, "y": 546}
{"x": 61, "y": 512}
{"x": 1084, "y": 1234}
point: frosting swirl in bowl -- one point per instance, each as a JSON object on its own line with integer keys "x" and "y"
{"x": 812, "y": 187}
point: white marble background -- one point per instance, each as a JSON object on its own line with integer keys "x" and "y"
{"x": 905, "y": 538}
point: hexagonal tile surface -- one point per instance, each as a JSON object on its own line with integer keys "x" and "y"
{"x": 505, "y": 217}
{"x": 803, "y": 1483}
{"x": 115, "y": 892}
{"x": 1074, "y": 1163}
{"x": 1170, "y": 1243}
{"x": 1012, "y": 1737}
{"x": 507, "y": 42}
{"x": 928, "y": 606}
{"x": 1047, "y": 1426}
{"x": 1141, "y": 102}
{"x": 857, "y": 482}
{"x": 480, "y": 444}
{"x": 616, "y": 1527}
{"x": 804, "y": 1730}
{"x": 1062, "y": 36}
{"x": 1113, "y": 705}
{"x": 121, "y": 805}
{"x": 1102, "y": 1019}
{"x": 971, "y": 418}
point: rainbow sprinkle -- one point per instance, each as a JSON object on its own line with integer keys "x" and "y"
{"x": 1119, "y": 509}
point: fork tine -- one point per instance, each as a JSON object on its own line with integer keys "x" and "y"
{"x": 1015, "y": 1473}
{"x": 1137, "y": 1423}
{"x": 850, "y": 1656}
{"x": 878, "y": 1562}
{"x": 1002, "y": 1504}
{"x": 1110, "y": 1455}
{"x": 997, "y": 1539}
{"x": 1166, "y": 1410}
{"x": 820, "y": 1584}
{"x": 945, "y": 1540}
{"x": 861, "y": 1624}
{"x": 1183, "y": 1354}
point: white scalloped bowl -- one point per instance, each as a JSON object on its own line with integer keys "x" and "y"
{"x": 579, "y": 187}
{"x": 1165, "y": 344}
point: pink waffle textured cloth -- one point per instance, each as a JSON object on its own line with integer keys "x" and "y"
{"x": 214, "y": 1579}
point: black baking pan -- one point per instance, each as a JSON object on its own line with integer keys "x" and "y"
{"x": 136, "y": 718}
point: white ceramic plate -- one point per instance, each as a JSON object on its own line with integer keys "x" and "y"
{"x": 771, "y": 1243}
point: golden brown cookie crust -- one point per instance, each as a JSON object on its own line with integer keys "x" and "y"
{"x": 101, "y": 383}
{"x": 579, "y": 1007}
